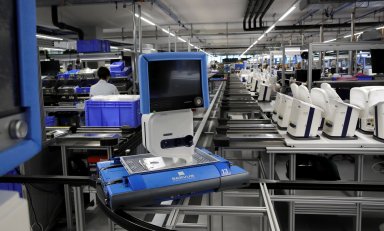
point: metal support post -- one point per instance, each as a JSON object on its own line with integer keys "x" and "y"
{"x": 169, "y": 40}
{"x": 310, "y": 64}
{"x": 283, "y": 68}
{"x": 134, "y": 72}
{"x": 140, "y": 30}
{"x": 337, "y": 61}
{"x": 189, "y": 45}
{"x": 79, "y": 208}
{"x": 321, "y": 56}
{"x": 292, "y": 177}
{"x": 352, "y": 53}
{"x": 67, "y": 196}
{"x": 175, "y": 41}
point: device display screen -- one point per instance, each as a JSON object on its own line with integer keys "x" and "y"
{"x": 9, "y": 79}
{"x": 175, "y": 84}
{"x": 49, "y": 67}
{"x": 377, "y": 57}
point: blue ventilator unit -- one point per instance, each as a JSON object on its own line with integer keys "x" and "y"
{"x": 20, "y": 112}
{"x": 126, "y": 182}
{"x": 171, "y": 83}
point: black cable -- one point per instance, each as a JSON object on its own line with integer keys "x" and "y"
{"x": 33, "y": 211}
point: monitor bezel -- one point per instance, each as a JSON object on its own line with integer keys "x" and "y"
{"x": 169, "y": 56}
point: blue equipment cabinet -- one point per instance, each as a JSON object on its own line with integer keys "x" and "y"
{"x": 20, "y": 114}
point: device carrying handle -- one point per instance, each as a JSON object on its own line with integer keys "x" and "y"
{"x": 123, "y": 219}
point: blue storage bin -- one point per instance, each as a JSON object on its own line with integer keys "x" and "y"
{"x": 12, "y": 186}
{"x": 364, "y": 77}
{"x": 95, "y": 45}
{"x": 125, "y": 72}
{"x": 112, "y": 114}
{"x": 117, "y": 66}
{"x": 50, "y": 121}
{"x": 82, "y": 90}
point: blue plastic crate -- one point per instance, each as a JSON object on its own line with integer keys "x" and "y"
{"x": 123, "y": 73}
{"x": 94, "y": 45}
{"x": 117, "y": 66}
{"x": 82, "y": 90}
{"x": 112, "y": 114}
{"x": 50, "y": 121}
{"x": 12, "y": 186}
{"x": 364, "y": 77}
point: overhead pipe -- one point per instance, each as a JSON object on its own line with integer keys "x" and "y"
{"x": 263, "y": 4}
{"x": 254, "y": 12}
{"x": 264, "y": 12}
{"x": 247, "y": 12}
{"x": 308, "y": 27}
{"x": 61, "y": 25}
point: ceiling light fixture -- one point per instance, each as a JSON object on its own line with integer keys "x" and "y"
{"x": 328, "y": 41}
{"x": 181, "y": 39}
{"x": 287, "y": 13}
{"x": 379, "y": 28}
{"x": 359, "y": 33}
{"x": 48, "y": 37}
{"x": 270, "y": 28}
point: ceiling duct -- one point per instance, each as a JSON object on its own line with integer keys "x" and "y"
{"x": 63, "y": 26}
{"x": 255, "y": 9}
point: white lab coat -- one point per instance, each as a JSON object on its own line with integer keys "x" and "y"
{"x": 103, "y": 88}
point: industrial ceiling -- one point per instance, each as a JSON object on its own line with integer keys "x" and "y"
{"x": 217, "y": 26}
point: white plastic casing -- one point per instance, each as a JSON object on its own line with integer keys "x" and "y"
{"x": 284, "y": 111}
{"x": 300, "y": 120}
{"x": 168, "y": 125}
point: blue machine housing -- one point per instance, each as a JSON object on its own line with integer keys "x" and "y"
{"x": 143, "y": 74}
{"x": 29, "y": 88}
{"x": 124, "y": 189}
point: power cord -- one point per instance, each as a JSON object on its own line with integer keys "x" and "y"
{"x": 36, "y": 223}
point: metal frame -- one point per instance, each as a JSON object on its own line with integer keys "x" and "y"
{"x": 336, "y": 46}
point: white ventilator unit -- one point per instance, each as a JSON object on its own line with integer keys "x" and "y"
{"x": 376, "y": 103}
{"x": 159, "y": 139}
{"x": 341, "y": 118}
{"x": 265, "y": 91}
{"x": 359, "y": 96}
{"x": 284, "y": 110}
{"x": 305, "y": 118}
{"x": 276, "y": 106}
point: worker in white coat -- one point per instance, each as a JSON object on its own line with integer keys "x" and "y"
{"x": 102, "y": 87}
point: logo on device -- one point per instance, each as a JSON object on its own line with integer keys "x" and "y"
{"x": 182, "y": 176}
{"x": 198, "y": 101}
{"x": 181, "y": 173}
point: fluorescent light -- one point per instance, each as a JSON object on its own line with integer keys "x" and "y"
{"x": 379, "y": 28}
{"x": 270, "y": 28}
{"x": 147, "y": 21}
{"x": 287, "y": 13}
{"x": 181, "y": 39}
{"x": 113, "y": 47}
{"x": 331, "y": 40}
{"x": 164, "y": 30}
{"x": 125, "y": 49}
{"x": 48, "y": 37}
{"x": 173, "y": 35}
{"x": 136, "y": 15}
{"x": 359, "y": 33}
{"x": 261, "y": 37}
{"x": 52, "y": 49}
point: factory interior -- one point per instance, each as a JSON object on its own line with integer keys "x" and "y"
{"x": 192, "y": 115}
